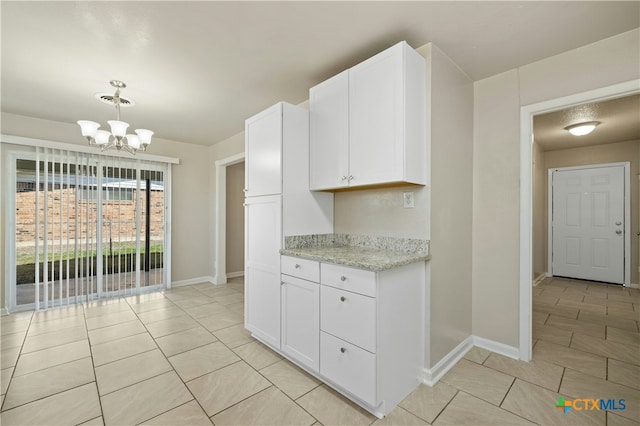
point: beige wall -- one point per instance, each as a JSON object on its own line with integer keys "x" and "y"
{"x": 496, "y": 180}
{"x": 496, "y": 212}
{"x": 190, "y": 208}
{"x": 598, "y": 154}
{"x": 235, "y": 219}
{"x": 539, "y": 218}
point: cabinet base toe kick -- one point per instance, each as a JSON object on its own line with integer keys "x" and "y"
{"x": 380, "y": 410}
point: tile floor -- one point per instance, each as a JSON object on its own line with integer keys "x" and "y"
{"x": 183, "y": 357}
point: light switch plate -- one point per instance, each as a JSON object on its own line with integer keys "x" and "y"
{"x": 407, "y": 198}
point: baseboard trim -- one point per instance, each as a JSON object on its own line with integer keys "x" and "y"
{"x": 4, "y": 311}
{"x": 191, "y": 281}
{"x": 539, "y": 279}
{"x": 497, "y": 347}
{"x": 632, "y": 285}
{"x": 432, "y": 375}
{"x": 235, "y": 274}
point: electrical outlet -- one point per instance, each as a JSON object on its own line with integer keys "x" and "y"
{"x": 408, "y": 200}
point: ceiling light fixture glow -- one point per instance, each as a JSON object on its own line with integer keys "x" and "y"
{"x": 118, "y": 137}
{"x": 581, "y": 129}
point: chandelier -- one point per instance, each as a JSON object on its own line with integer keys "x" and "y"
{"x": 117, "y": 138}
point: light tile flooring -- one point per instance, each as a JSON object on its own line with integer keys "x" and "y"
{"x": 183, "y": 357}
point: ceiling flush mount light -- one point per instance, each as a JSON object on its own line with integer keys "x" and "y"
{"x": 117, "y": 138}
{"x": 582, "y": 129}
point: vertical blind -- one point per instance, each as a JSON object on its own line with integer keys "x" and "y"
{"x": 97, "y": 226}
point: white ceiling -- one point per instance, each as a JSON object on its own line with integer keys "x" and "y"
{"x": 196, "y": 70}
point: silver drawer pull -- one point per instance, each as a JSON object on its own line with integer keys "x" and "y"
{"x": 343, "y": 350}
{"x": 297, "y": 266}
{"x": 342, "y": 298}
{"x": 343, "y": 278}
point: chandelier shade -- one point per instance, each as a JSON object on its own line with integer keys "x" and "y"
{"x": 116, "y": 138}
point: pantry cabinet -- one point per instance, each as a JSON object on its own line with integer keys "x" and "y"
{"x": 367, "y": 124}
{"x": 278, "y": 203}
{"x": 263, "y": 239}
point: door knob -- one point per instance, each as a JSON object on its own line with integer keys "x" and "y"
{"x": 619, "y": 231}
{"x": 618, "y": 223}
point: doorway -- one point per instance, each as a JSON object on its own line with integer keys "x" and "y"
{"x": 527, "y": 148}
{"x": 220, "y": 236}
{"x": 588, "y": 213}
{"x": 84, "y": 226}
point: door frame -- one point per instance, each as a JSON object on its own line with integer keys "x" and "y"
{"x": 627, "y": 213}
{"x": 526, "y": 191}
{"x": 220, "y": 261}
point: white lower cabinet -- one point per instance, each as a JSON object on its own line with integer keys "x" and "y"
{"x": 300, "y": 320}
{"x": 349, "y": 367}
{"x": 362, "y": 332}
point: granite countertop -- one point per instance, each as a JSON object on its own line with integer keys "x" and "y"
{"x": 363, "y": 252}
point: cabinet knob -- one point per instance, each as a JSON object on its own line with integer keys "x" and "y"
{"x": 343, "y": 278}
{"x": 343, "y": 178}
{"x": 281, "y": 282}
{"x": 343, "y": 350}
{"x": 350, "y": 178}
{"x": 297, "y": 266}
{"x": 342, "y": 298}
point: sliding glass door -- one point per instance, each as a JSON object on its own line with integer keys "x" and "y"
{"x": 86, "y": 226}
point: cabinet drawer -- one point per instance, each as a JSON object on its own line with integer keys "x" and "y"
{"x": 301, "y": 268}
{"x": 356, "y": 280}
{"x": 349, "y": 316}
{"x": 349, "y": 366}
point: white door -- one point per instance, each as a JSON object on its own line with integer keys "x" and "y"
{"x": 263, "y": 241}
{"x": 263, "y": 152}
{"x": 301, "y": 321}
{"x": 588, "y": 224}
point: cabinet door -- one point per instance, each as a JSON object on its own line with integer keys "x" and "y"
{"x": 329, "y": 133}
{"x": 263, "y": 152}
{"x": 263, "y": 240}
{"x": 301, "y": 321}
{"x": 376, "y": 120}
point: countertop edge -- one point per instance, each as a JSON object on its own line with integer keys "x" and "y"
{"x": 357, "y": 264}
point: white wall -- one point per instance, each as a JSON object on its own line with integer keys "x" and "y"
{"x": 497, "y": 102}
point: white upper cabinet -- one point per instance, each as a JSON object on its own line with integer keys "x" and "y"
{"x": 368, "y": 123}
{"x": 329, "y": 133}
{"x": 263, "y": 152}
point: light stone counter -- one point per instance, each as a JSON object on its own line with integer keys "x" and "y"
{"x": 358, "y": 251}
